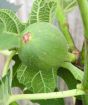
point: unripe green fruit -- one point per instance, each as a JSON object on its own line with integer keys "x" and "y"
{"x": 43, "y": 46}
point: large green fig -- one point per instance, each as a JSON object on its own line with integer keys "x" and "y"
{"x": 43, "y": 46}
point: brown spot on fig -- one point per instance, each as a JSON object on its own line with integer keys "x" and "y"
{"x": 26, "y": 37}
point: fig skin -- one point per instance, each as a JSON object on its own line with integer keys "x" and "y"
{"x": 43, "y": 46}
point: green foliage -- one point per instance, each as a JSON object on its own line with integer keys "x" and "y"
{"x": 76, "y": 72}
{"x": 11, "y": 27}
{"x": 65, "y": 75}
{"x": 42, "y": 11}
{"x": 68, "y": 5}
{"x": 10, "y": 21}
{"x": 51, "y": 102}
{"x": 14, "y": 103}
{"x": 70, "y": 71}
{"x": 10, "y": 41}
{"x": 85, "y": 99}
{"x": 31, "y": 79}
{"x": 36, "y": 80}
{"x": 1, "y": 26}
{"x": 15, "y": 82}
{"x": 5, "y": 89}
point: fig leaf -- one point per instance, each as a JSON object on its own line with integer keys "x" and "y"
{"x": 23, "y": 77}
{"x": 14, "y": 103}
{"x": 11, "y": 22}
{"x": 5, "y": 89}
{"x": 1, "y": 26}
{"x": 37, "y": 80}
{"x": 51, "y": 102}
{"x": 9, "y": 41}
{"x": 42, "y": 11}
{"x": 15, "y": 82}
{"x": 68, "y": 5}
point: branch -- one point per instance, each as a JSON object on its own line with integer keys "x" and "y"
{"x": 64, "y": 25}
{"x": 83, "y": 5}
{"x": 40, "y": 96}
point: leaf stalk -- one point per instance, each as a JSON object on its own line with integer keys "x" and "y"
{"x": 40, "y": 96}
{"x": 83, "y": 5}
{"x": 6, "y": 67}
{"x": 64, "y": 25}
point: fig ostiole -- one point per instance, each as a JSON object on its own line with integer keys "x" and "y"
{"x": 43, "y": 46}
{"x": 26, "y": 37}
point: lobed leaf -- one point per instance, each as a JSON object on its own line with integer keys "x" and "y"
{"x": 23, "y": 78}
{"x": 15, "y": 82}
{"x": 11, "y": 22}
{"x": 68, "y": 5}
{"x": 37, "y": 80}
{"x": 1, "y": 26}
{"x": 51, "y": 102}
{"x": 42, "y": 11}
{"x": 9, "y": 41}
{"x": 5, "y": 89}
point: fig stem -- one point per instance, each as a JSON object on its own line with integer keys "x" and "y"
{"x": 83, "y": 5}
{"x": 6, "y": 67}
{"x": 5, "y": 52}
{"x": 72, "y": 57}
{"x": 85, "y": 78}
{"x": 64, "y": 25}
{"x": 52, "y": 95}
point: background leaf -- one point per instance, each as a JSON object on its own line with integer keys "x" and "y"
{"x": 9, "y": 41}
{"x": 15, "y": 82}
{"x": 42, "y": 11}
{"x": 30, "y": 79}
{"x": 5, "y": 89}
{"x": 37, "y": 80}
{"x": 67, "y": 77}
{"x": 51, "y": 102}
{"x": 1, "y": 26}
{"x": 68, "y": 5}
{"x": 14, "y": 103}
{"x": 11, "y": 22}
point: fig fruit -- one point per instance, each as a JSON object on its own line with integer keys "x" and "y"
{"x": 43, "y": 46}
